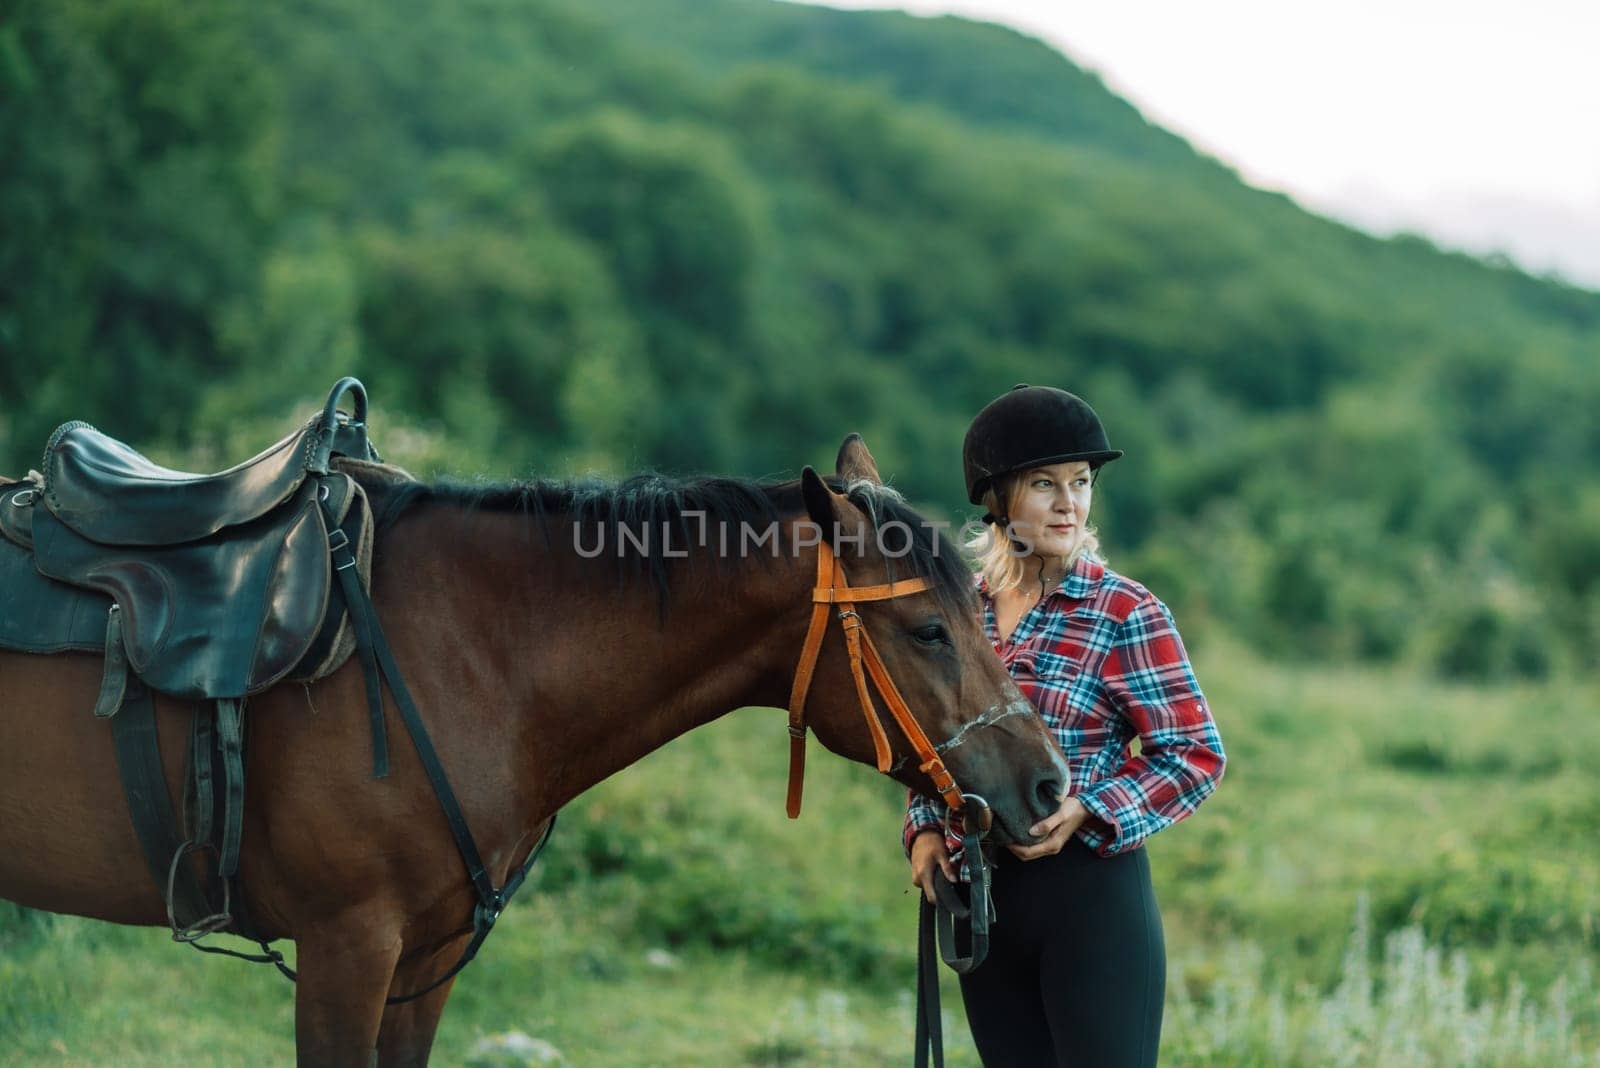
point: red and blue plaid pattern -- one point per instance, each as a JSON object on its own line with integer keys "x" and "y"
{"x": 1101, "y": 660}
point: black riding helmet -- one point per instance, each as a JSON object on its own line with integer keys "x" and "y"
{"x": 1031, "y": 426}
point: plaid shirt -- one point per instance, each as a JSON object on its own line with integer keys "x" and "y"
{"x": 1101, "y": 660}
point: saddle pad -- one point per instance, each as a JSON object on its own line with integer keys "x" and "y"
{"x": 42, "y": 616}
{"x": 224, "y": 617}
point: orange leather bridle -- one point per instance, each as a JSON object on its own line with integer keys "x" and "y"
{"x": 833, "y": 589}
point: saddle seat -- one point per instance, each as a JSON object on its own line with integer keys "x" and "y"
{"x": 110, "y": 493}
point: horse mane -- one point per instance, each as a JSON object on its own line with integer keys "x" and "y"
{"x": 650, "y": 501}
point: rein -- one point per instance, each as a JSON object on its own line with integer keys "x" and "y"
{"x": 940, "y": 917}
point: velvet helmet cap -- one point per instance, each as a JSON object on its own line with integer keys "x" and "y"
{"x": 1030, "y": 426}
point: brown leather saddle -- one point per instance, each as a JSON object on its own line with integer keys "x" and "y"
{"x": 208, "y": 587}
{"x": 221, "y": 582}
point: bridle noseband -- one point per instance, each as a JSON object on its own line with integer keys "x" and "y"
{"x": 834, "y": 589}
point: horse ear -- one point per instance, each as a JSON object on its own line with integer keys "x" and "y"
{"x": 819, "y": 499}
{"x": 855, "y": 462}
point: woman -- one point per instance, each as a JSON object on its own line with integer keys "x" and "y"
{"x": 1076, "y": 970}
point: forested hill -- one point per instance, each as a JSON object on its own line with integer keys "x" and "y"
{"x": 987, "y": 74}
{"x": 719, "y": 234}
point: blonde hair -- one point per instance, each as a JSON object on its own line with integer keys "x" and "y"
{"x": 999, "y": 558}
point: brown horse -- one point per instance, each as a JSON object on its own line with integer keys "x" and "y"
{"x": 541, "y": 667}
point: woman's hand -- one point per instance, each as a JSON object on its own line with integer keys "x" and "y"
{"x": 1057, "y": 827}
{"x": 928, "y": 853}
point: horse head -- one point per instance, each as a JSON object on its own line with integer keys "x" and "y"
{"x": 909, "y": 610}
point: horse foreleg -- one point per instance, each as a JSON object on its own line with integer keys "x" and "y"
{"x": 345, "y": 971}
{"x": 406, "y": 1037}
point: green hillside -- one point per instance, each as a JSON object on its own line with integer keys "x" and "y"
{"x": 986, "y": 74}
{"x": 717, "y": 236}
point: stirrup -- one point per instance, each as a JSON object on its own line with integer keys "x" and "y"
{"x": 217, "y": 921}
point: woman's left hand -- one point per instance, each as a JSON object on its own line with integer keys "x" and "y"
{"x": 1057, "y": 827}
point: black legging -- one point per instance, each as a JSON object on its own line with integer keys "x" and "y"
{"x": 1077, "y": 965}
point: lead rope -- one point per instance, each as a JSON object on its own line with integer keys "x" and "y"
{"x": 940, "y": 917}
{"x": 930, "y": 1025}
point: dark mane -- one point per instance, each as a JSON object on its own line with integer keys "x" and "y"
{"x": 651, "y": 502}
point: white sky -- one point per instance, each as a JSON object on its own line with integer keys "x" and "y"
{"x": 1477, "y": 124}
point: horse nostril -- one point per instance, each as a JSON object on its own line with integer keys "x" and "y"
{"x": 1047, "y": 794}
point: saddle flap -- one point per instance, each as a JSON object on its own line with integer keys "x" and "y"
{"x": 225, "y": 617}
{"x": 43, "y": 616}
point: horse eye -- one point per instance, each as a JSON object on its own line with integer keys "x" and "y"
{"x": 932, "y": 634}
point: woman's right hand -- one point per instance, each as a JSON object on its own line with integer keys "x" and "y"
{"x": 928, "y": 853}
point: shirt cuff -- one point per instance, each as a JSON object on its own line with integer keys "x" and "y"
{"x": 922, "y": 814}
{"x": 1110, "y": 805}
{"x": 914, "y": 829}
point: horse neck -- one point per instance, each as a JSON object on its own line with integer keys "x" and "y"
{"x": 534, "y": 645}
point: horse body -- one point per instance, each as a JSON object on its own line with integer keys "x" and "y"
{"x": 538, "y": 674}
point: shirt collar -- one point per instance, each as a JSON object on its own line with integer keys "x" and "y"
{"x": 1081, "y": 581}
{"x": 1084, "y": 578}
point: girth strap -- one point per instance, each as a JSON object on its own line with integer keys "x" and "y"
{"x": 133, "y": 734}
{"x": 230, "y": 743}
{"x": 202, "y": 743}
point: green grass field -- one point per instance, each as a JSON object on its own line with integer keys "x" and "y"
{"x": 1393, "y": 872}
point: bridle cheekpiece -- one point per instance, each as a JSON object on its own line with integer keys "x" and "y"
{"x": 833, "y": 588}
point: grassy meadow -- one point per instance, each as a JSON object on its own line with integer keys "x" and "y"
{"x": 1393, "y": 872}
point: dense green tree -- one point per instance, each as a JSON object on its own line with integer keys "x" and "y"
{"x": 138, "y": 193}
{"x": 719, "y": 234}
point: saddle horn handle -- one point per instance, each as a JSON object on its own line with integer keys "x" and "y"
{"x": 347, "y": 384}
{"x": 349, "y": 439}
